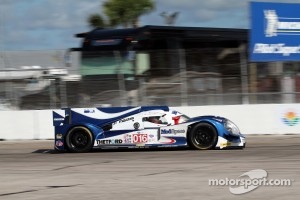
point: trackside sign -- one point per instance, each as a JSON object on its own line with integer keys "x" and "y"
{"x": 275, "y": 32}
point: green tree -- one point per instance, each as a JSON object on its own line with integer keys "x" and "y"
{"x": 122, "y": 12}
{"x": 96, "y": 21}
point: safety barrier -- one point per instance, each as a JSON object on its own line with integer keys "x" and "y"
{"x": 251, "y": 119}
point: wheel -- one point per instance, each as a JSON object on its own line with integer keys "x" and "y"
{"x": 203, "y": 136}
{"x": 79, "y": 140}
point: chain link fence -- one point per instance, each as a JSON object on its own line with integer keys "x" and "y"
{"x": 181, "y": 77}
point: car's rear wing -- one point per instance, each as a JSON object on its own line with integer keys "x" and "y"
{"x": 60, "y": 117}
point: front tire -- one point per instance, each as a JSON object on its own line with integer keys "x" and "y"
{"x": 79, "y": 140}
{"x": 203, "y": 136}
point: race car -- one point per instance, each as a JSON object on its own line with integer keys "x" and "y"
{"x": 82, "y": 129}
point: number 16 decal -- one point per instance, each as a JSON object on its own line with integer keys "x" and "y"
{"x": 140, "y": 138}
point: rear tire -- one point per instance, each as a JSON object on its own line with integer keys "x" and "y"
{"x": 203, "y": 136}
{"x": 79, "y": 140}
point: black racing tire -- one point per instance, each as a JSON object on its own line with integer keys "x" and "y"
{"x": 203, "y": 136}
{"x": 79, "y": 140}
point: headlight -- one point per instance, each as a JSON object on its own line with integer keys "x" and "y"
{"x": 232, "y": 128}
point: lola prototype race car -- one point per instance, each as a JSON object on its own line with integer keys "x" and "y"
{"x": 82, "y": 129}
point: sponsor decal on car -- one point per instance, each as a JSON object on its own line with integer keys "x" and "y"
{"x": 59, "y": 136}
{"x": 172, "y": 131}
{"x": 89, "y": 111}
{"x": 140, "y": 145}
{"x": 136, "y": 125}
{"x": 127, "y": 138}
{"x": 126, "y": 119}
{"x": 225, "y": 144}
{"x": 58, "y": 119}
{"x": 59, "y": 143}
{"x": 152, "y": 138}
{"x": 112, "y": 141}
{"x": 171, "y": 141}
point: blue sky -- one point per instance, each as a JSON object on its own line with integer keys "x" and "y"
{"x": 51, "y": 24}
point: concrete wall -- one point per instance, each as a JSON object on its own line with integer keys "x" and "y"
{"x": 31, "y": 124}
{"x": 251, "y": 119}
{"x": 256, "y": 118}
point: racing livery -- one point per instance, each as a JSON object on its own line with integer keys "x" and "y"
{"x": 82, "y": 129}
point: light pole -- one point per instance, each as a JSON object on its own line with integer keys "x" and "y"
{"x": 169, "y": 18}
{"x": 2, "y": 32}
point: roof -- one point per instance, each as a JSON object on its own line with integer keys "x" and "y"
{"x": 168, "y": 31}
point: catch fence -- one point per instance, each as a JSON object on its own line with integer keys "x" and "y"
{"x": 180, "y": 77}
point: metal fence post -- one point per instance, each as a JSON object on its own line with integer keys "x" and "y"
{"x": 52, "y": 94}
{"x": 244, "y": 74}
{"x": 63, "y": 93}
{"x": 121, "y": 81}
{"x": 142, "y": 91}
{"x": 183, "y": 81}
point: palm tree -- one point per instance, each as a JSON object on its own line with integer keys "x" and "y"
{"x": 123, "y": 12}
{"x": 96, "y": 21}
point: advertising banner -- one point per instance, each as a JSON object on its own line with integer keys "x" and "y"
{"x": 274, "y": 32}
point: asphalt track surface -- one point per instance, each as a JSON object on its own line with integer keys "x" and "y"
{"x": 31, "y": 170}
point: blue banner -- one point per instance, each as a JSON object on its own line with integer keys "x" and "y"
{"x": 275, "y": 32}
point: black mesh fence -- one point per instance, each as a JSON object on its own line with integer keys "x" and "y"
{"x": 180, "y": 77}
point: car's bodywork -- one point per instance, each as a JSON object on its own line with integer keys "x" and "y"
{"x": 81, "y": 129}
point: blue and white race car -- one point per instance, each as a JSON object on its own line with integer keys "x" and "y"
{"x": 82, "y": 129}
